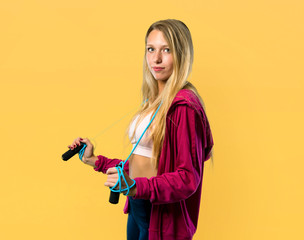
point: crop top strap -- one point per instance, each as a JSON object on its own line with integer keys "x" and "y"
{"x": 143, "y": 132}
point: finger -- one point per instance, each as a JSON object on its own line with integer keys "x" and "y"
{"x": 112, "y": 178}
{"x": 86, "y": 141}
{"x": 111, "y": 184}
{"x": 74, "y": 145}
{"x": 111, "y": 170}
{"x": 77, "y": 141}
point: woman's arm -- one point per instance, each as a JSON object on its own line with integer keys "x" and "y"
{"x": 103, "y": 164}
{"x": 99, "y": 163}
{"x": 90, "y": 161}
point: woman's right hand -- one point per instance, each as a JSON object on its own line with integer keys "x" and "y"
{"x": 88, "y": 155}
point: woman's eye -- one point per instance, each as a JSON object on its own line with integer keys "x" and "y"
{"x": 149, "y": 49}
{"x": 167, "y": 50}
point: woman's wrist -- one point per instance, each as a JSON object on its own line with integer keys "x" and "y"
{"x": 90, "y": 160}
{"x": 133, "y": 191}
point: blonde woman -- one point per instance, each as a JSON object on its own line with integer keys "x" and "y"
{"x": 168, "y": 162}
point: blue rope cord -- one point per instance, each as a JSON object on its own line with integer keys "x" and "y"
{"x": 119, "y": 168}
{"x": 121, "y": 165}
{"x": 81, "y": 152}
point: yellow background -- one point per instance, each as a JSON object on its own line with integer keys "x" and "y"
{"x": 72, "y": 68}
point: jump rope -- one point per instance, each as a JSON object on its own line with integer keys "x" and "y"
{"x": 115, "y": 193}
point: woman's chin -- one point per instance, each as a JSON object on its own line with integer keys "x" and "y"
{"x": 160, "y": 78}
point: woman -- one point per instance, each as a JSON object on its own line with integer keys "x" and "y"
{"x": 168, "y": 163}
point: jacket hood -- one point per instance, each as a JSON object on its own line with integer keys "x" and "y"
{"x": 189, "y": 98}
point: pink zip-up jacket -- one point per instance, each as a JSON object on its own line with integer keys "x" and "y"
{"x": 175, "y": 192}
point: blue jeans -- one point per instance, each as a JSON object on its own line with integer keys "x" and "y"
{"x": 138, "y": 219}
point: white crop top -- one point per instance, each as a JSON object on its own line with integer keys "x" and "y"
{"x": 144, "y": 147}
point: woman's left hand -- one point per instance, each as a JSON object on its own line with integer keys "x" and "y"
{"x": 113, "y": 178}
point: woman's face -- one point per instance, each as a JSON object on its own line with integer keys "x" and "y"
{"x": 159, "y": 57}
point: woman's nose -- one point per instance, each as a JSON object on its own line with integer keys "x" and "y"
{"x": 158, "y": 57}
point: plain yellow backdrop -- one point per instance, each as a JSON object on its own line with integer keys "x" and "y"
{"x": 73, "y": 68}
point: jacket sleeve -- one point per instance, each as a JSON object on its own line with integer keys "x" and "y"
{"x": 103, "y": 164}
{"x": 184, "y": 147}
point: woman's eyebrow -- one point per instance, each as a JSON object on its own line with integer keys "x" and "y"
{"x": 150, "y": 44}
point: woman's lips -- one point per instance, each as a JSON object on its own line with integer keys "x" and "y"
{"x": 157, "y": 69}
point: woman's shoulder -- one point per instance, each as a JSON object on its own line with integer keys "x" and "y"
{"x": 186, "y": 97}
{"x": 185, "y": 94}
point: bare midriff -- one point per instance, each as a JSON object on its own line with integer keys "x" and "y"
{"x": 141, "y": 166}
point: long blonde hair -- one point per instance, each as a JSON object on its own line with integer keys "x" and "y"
{"x": 180, "y": 43}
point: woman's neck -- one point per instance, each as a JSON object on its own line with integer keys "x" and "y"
{"x": 161, "y": 86}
